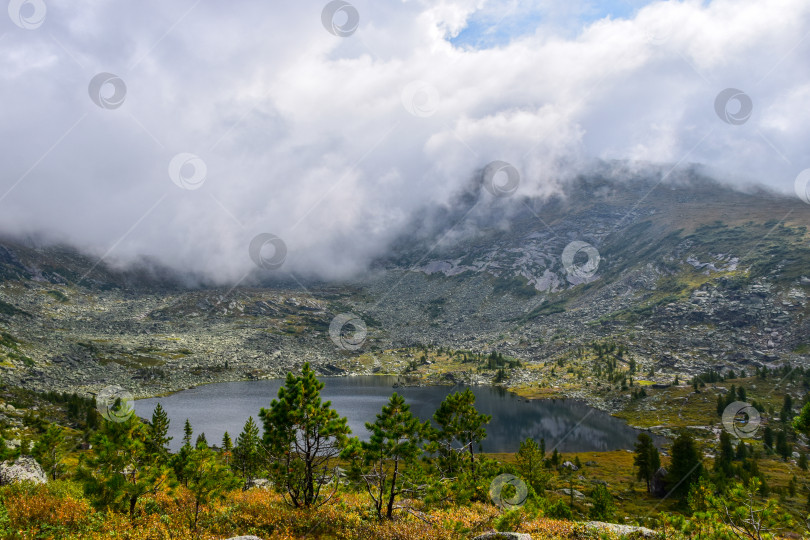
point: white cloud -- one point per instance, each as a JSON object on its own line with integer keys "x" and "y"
{"x": 304, "y": 133}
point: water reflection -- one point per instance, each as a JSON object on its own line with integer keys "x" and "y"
{"x": 568, "y": 425}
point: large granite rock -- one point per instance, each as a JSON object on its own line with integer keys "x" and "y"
{"x": 636, "y": 532}
{"x": 24, "y": 468}
{"x": 577, "y": 494}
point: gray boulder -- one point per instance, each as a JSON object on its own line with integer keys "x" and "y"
{"x": 24, "y": 468}
{"x": 261, "y": 483}
{"x": 642, "y": 532}
{"x": 577, "y": 494}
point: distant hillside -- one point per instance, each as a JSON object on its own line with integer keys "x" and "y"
{"x": 690, "y": 275}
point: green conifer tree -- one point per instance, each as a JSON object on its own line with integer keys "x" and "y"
{"x": 389, "y": 458}
{"x": 686, "y": 466}
{"x": 647, "y": 459}
{"x": 461, "y": 430}
{"x": 121, "y": 469}
{"x": 247, "y": 455}
{"x": 206, "y": 478}
{"x": 303, "y": 435}
{"x": 158, "y": 429}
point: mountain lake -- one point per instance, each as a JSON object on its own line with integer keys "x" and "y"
{"x": 565, "y": 424}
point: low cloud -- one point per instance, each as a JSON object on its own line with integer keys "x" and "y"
{"x": 306, "y": 135}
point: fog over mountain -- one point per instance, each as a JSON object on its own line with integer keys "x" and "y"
{"x": 336, "y": 139}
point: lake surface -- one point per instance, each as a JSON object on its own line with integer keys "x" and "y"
{"x": 568, "y": 425}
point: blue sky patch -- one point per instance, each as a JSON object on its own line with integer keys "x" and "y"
{"x": 496, "y": 26}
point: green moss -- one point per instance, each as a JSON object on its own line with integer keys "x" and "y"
{"x": 10, "y": 310}
{"x": 802, "y": 348}
{"x": 517, "y": 286}
{"x": 58, "y": 296}
{"x": 435, "y": 307}
{"x": 7, "y": 340}
{"x": 546, "y": 308}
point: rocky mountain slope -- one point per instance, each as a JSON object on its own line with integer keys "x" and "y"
{"x": 682, "y": 272}
{"x": 690, "y": 273}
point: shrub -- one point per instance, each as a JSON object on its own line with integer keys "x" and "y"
{"x": 559, "y": 510}
{"x": 51, "y": 510}
{"x": 603, "y": 508}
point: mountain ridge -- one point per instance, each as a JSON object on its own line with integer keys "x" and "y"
{"x": 692, "y": 275}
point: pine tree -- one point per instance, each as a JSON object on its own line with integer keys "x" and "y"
{"x": 227, "y": 448}
{"x": 201, "y": 440}
{"x": 603, "y": 508}
{"x": 787, "y": 409}
{"x": 247, "y": 453}
{"x": 555, "y": 458}
{"x": 731, "y": 396}
{"x": 459, "y": 424}
{"x": 745, "y": 514}
{"x": 725, "y": 455}
{"x": 742, "y": 451}
{"x": 646, "y": 459}
{"x": 741, "y": 394}
{"x": 783, "y": 448}
{"x": 530, "y": 465}
{"x": 158, "y": 429}
{"x": 179, "y": 460}
{"x": 767, "y": 439}
{"x": 50, "y": 450}
{"x": 206, "y": 478}
{"x": 187, "y": 433}
{"x": 303, "y": 435}
{"x": 389, "y": 458}
{"x": 121, "y": 469}
{"x": 685, "y": 467}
